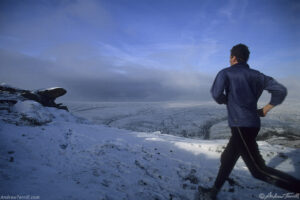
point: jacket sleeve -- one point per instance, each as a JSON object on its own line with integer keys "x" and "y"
{"x": 218, "y": 87}
{"x": 277, "y": 90}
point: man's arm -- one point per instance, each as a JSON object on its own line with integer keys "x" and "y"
{"x": 278, "y": 93}
{"x": 218, "y": 87}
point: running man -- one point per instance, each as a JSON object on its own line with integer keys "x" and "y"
{"x": 239, "y": 87}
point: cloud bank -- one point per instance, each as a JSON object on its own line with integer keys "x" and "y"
{"x": 96, "y": 79}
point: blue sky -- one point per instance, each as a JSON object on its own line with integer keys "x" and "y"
{"x": 143, "y": 49}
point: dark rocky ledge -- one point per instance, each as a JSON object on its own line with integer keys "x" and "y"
{"x": 10, "y": 95}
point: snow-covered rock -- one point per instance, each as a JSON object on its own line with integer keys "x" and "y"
{"x": 10, "y": 95}
{"x": 33, "y": 113}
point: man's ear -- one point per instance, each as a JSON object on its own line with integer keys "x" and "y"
{"x": 234, "y": 59}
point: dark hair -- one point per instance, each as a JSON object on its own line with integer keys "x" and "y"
{"x": 241, "y": 52}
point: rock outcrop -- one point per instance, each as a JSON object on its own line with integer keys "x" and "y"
{"x": 11, "y": 95}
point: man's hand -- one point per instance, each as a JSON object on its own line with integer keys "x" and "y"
{"x": 260, "y": 112}
{"x": 263, "y": 111}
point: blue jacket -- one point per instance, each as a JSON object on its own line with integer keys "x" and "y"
{"x": 240, "y": 87}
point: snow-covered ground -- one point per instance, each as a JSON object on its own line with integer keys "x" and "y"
{"x": 51, "y": 154}
{"x": 205, "y": 120}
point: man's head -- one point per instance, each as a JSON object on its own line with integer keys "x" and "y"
{"x": 239, "y": 53}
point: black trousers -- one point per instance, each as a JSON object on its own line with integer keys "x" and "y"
{"x": 243, "y": 143}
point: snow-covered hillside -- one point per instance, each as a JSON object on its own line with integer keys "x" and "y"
{"x": 50, "y": 154}
{"x": 204, "y": 120}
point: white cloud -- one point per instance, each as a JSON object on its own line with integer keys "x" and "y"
{"x": 180, "y": 56}
{"x": 234, "y": 10}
